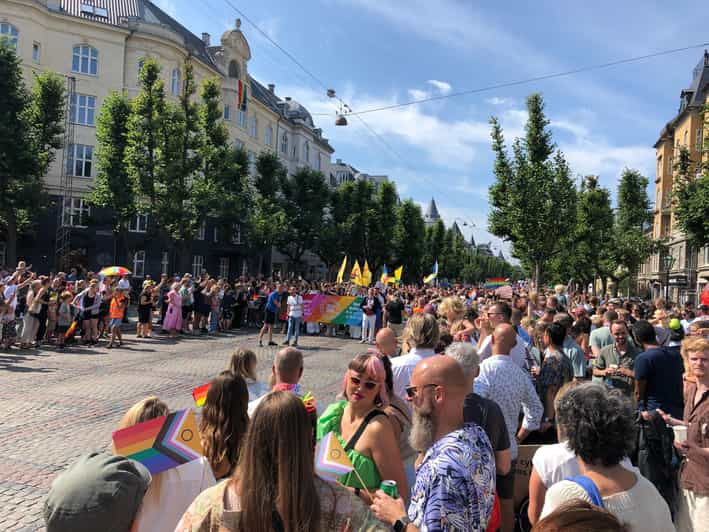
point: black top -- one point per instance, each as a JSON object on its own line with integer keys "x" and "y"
{"x": 395, "y": 309}
{"x": 488, "y": 415}
{"x": 370, "y": 305}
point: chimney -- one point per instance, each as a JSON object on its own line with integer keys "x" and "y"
{"x": 339, "y": 161}
{"x": 287, "y": 98}
{"x": 272, "y": 87}
{"x": 205, "y": 39}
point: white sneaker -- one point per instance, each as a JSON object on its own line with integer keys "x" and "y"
{"x": 362, "y": 341}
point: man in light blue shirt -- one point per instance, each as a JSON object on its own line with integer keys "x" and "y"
{"x": 571, "y": 349}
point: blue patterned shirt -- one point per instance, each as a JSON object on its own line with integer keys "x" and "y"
{"x": 455, "y": 484}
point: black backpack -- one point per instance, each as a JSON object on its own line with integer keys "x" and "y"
{"x": 654, "y": 456}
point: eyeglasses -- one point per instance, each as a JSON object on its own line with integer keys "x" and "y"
{"x": 412, "y": 391}
{"x": 369, "y": 385}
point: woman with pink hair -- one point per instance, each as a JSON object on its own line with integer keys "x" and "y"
{"x": 364, "y": 430}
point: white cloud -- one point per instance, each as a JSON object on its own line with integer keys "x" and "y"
{"x": 442, "y": 86}
{"x": 417, "y": 94}
{"x": 495, "y": 100}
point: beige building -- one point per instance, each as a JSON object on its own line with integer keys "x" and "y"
{"x": 688, "y": 270}
{"x": 99, "y": 45}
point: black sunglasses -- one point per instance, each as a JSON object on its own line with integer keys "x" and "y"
{"x": 367, "y": 384}
{"x": 411, "y": 391}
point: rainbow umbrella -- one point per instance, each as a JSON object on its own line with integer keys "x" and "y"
{"x": 114, "y": 271}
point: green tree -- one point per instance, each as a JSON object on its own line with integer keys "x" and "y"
{"x": 433, "y": 243}
{"x": 31, "y": 126}
{"x": 268, "y": 219}
{"x": 632, "y": 244}
{"x": 145, "y": 157}
{"x": 691, "y": 199}
{"x": 304, "y": 198}
{"x": 409, "y": 232}
{"x": 381, "y": 225}
{"x": 533, "y": 197}
{"x": 113, "y": 187}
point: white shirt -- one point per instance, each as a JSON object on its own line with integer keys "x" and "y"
{"x": 518, "y": 354}
{"x": 641, "y": 507}
{"x": 403, "y": 366}
{"x": 556, "y": 462}
{"x": 511, "y": 387}
{"x": 124, "y": 284}
{"x": 7, "y": 294}
{"x": 162, "y": 508}
{"x": 296, "y": 306}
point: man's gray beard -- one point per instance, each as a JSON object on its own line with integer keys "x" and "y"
{"x": 422, "y": 431}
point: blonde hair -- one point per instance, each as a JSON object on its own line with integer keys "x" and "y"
{"x": 451, "y": 305}
{"x": 149, "y": 408}
{"x": 423, "y": 331}
{"x": 559, "y": 289}
{"x": 240, "y": 363}
{"x": 692, "y": 344}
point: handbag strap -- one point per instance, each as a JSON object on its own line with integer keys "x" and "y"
{"x": 360, "y": 430}
{"x": 589, "y": 487}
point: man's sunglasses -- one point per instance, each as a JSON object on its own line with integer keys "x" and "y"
{"x": 412, "y": 391}
{"x": 367, "y": 384}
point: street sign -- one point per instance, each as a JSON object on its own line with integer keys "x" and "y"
{"x": 679, "y": 280}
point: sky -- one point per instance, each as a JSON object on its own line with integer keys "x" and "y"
{"x": 382, "y": 52}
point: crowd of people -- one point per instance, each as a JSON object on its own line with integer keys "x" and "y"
{"x": 455, "y": 380}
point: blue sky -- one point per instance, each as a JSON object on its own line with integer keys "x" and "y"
{"x": 382, "y": 52}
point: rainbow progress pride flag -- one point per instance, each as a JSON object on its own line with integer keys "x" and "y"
{"x": 161, "y": 443}
{"x": 496, "y": 282}
{"x": 331, "y": 460}
{"x": 338, "y": 310}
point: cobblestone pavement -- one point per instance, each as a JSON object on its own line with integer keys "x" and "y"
{"x": 58, "y": 405}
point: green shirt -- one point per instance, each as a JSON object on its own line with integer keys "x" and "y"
{"x": 329, "y": 421}
{"x": 610, "y": 355}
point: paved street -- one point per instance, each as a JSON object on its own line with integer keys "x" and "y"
{"x": 58, "y": 405}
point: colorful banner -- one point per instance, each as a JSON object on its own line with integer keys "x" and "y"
{"x": 338, "y": 310}
{"x": 496, "y": 282}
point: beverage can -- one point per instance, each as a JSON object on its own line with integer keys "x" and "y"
{"x": 389, "y": 487}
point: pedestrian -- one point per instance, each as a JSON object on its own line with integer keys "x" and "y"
{"x": 602, "y": 336}
{"x": 580, "y": 516}
{"x": 455, "y": 480}
{"x": 145, "y": 310}
{"x": 244, "y": 363}
{"x": 295, "y": 315}
{"x": 394, "y": 314}
{"x": 117, "y": 310}
{"x": 421, "y": 335}
{"x": 31, "y": 318}
{"x": 370, "y": 305}
{"x": 65, "y": 317}
{"x": 615, "y": 363}
{"x": 286, "y": 372}
{"x": 175, "y": 310}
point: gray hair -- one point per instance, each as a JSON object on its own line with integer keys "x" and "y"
{"x": 466, "y": 355}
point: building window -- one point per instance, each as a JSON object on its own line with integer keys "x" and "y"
{"x": 202, "y": 231}
{"x": 82, "y": 109}
{"x": 75, "y": 213}
{"x": 236, "y": 234}
{"x": 294, "y": 151}
{"x": 79, "y": 160}
{"x": 85, "y": 60}
{"x": 238, "y": 144}
{"x": 700, "y": 140}
{"x": 164, "y": 262}
{"x": 138, "y": 224}
{"x": 306, "y": 152}
{"x": 241, "y": 118}
{"x": 36, "y": 52}
{"x": 224, "y": 267}
{"x": 139, "y": 263}
{"x": 253, "y": 127}
{"x": 233, "y": 69}
{"x": 252, "y": 162}
{"x": 284, "y": 143}
{"x": 318, "y": 162}
{"x": 706, "y": 255}
{"x": 268, "y": 136}
{"x": 197, "y": 265}
{"x": 141, "y": 62}
{"x": 227, "y": 112}
{"x": 176, "y": 84}
{"x": 686, "y": 138}
{"x": 669, "y": 166}
{"x": 9, "y": 32}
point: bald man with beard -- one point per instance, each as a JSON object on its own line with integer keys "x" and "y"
{"x": 455, "y": 481}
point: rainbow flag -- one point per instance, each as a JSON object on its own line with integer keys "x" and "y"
{"x": 161, "y": 443}
{"x": 496, "y": 282}
{"x": 200, "y": 394}
{"x": 331, "y": 460}
{"x": 70, "y": 331}
{"x": 241, "y": 96}
{"x": 338, "y": 310}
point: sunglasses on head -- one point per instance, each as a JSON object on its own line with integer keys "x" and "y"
{"x": 369, "y": 385}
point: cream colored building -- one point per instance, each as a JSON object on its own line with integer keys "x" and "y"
{"x": 100, "y": 44}
{"x": 690, "y": 267}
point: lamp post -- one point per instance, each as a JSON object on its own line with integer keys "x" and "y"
{"x": 668, "y": 261}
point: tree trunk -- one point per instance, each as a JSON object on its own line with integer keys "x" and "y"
{"x": 11, "y": 250}
{"x": 604, "y": 285}
{"x": 537, "y": 275}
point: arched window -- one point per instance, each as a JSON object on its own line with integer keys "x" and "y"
{"x": 284, "y": 143}
{"x": 686, "y": 138}
{"x": 141, "y": 62}
{"x": 84, "y": 59}
{"x": 10, "y": 32}
{"x": 306, "y": 152}
{"x": 176, "y": 85}
{"x": 234, "y": 69}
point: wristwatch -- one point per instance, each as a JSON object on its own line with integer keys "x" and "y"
{"x": 401, "y": 523}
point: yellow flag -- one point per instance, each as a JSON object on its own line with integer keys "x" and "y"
{"x": 366, "y": 274}
{"x": 398, "y": 272}
{"x": 341, "y": 273}
{"x": 355, "y": 274}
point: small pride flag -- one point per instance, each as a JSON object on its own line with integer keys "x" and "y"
{"x": 331, "y": 460}
{"x": 161, "y": 443}
{"x": 200, "y": 394}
